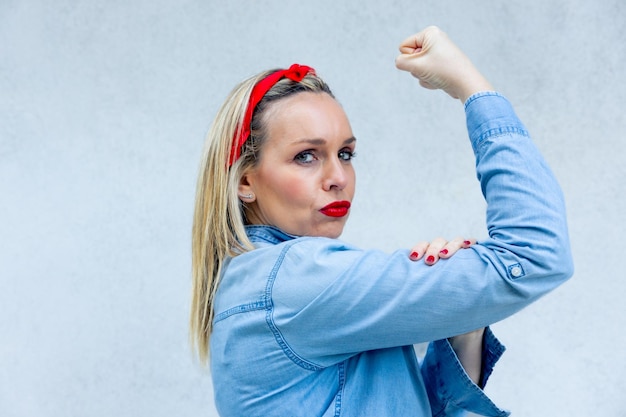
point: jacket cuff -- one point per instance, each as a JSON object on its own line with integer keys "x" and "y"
{"x": 450, "y": 389}
{"x": 490, "y": 114}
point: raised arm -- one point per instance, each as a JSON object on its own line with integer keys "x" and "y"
{"x": 438, "y": 63}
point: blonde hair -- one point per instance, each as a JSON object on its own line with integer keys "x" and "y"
{"x": 218, "y": 230}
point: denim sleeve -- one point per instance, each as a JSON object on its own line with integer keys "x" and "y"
{"x": 526, "y": 218}
{"x": 450, "y": 390}
{"x": 331, "y": 300}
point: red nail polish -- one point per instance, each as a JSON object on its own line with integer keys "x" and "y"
{"x": 414, "y": 255}
{"x": 467, "y": 242}
{"x": 444, "y": 251}
{"x": 430, "y": 259}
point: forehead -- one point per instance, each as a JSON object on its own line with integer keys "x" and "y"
{"x": 307, "y": 115}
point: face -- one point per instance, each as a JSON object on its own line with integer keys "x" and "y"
{"x": 304, "y": 181}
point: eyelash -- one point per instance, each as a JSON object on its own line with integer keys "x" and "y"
{"x": 300, "y": 157}
{"x": 351, "y": 155}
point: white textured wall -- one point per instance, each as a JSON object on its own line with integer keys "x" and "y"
{"x": 103, "y": 110}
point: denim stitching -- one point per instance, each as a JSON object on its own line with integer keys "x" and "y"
{"x": 480, "y": 95}
{"x": 342, "y": 380}
{"x": 479, "y": 142}
{"x": 269, "y": 317}
{"x": 243, "y": 308}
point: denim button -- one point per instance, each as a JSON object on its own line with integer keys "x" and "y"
{"x": 516, "y": 271}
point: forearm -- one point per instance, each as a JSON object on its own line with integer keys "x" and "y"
{"x": 468, "y": 348}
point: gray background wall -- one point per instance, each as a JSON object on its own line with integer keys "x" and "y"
{"x": 103, "y": 110}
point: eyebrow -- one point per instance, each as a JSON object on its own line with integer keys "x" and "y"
{"x": 318, "y": 141}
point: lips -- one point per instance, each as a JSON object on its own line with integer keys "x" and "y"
{"x": 336, "y": 209}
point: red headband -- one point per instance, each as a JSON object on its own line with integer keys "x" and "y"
{"x": 295, "y": 73}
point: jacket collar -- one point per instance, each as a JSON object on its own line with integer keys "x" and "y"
{"x": 269, "y": 234}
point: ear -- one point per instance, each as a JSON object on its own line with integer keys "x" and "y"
{"x": 244, "y": 190}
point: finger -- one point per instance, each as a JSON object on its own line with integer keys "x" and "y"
{"x": 412, "y": 44}
{"x": 417, "y": 252}
{"x": 454, "y": 245}
{"x": 404, "y": 62}
{"x": 410, "y": 49}
{"x": 432, "y": 253}
{"x": 468, "y": 242}
{"x": 451, "y": 247}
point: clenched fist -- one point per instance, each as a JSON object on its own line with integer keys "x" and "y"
{"x": 438, "y": 63}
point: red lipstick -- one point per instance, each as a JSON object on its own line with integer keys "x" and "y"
{"x": 336, "y": 209}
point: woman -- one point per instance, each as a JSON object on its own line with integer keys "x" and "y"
{"x": 301, "y": 323}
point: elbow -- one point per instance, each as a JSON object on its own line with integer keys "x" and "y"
{"x": 557, "y": 270}
{"x": 568, "y": 264}
{"x": 553, "y": 265}
{"x": 546, "y": 262}
{"x": 558, "y": 260}
{"x": 531, "y": 277}
{"x": 563, "y": 266}
{"x": 550, "y": 242}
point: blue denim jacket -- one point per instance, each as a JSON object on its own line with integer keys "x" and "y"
{"x": 311, "y": 326}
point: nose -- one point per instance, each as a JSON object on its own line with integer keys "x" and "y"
{"x": 336, "y": 174}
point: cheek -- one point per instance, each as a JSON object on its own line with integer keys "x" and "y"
{"x": 352, "y": 180}
{"x": 295, "y": 190}
{"x": 289, "y": 189}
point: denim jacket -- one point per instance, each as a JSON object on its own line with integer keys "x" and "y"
{"x": 312, "y": 326}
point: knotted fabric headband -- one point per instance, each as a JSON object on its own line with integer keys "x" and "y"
{"x": 295, "y": 73}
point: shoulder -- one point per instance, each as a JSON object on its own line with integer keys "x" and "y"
{"x": 310, "y": 267}
{"x": 296, "y": 257}
{"x": 317, "y": 255}
{"x": 272, "y": 243}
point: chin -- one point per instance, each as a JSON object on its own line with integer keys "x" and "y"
{"x": 331, "y": 232}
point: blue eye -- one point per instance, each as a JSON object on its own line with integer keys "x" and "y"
{"x": 346, "y": 155}
{"x": 305, "y": 157}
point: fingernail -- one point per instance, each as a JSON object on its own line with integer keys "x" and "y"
{"x": 443, "y": 251}
{"x": 414, "y": 255}
{"x": 467, "y": 242}
{"x": 430, "y": 259}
